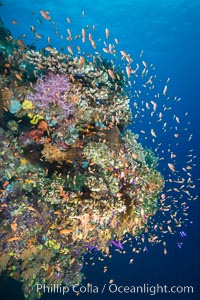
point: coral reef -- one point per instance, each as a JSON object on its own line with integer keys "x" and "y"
{"x": 72, "y": 177}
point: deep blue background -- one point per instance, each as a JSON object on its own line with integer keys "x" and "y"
{"x": 169, "y": 33}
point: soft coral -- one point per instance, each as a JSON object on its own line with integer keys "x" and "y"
{"x": 51, "y": 91}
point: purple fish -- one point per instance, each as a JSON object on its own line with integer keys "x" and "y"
{"x": 92, "y": 247}
{"x": 179, "y": 245}
{"x": 183, "y": 234}
{"x": 118, "y": 245}
{"x": 115, "y": 243}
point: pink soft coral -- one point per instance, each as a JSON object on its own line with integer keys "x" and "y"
{"x": 51, "y": 92}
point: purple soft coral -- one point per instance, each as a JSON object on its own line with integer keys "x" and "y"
{"x": 52, "y": 91}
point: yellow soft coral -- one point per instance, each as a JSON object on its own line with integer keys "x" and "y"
{"x": 27, "y": 104}
{"x": 35, "y": 118}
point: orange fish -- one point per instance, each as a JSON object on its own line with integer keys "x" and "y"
{"x": 38, "y": 36}
{"x": 82, "y": 60}
{"x": 45, "y": 15}
{"x": 61, "y": 190}
{"x": 14, "y": 227}
{"x": 123, "y": 53}
{"x": 69, "y": 32}
{"x": 110, "y": 72}
{"x": 107, "y": 33}
{"x": 31, "y": 208}
{"x": 90, "y": 37}
{"x": 49, "y": 49}
{"x": 78, "y": 48}
{"x": 165, "y": 90}
{"x": 153, "y": 133}
{"x": 18, "y": 76}
{"x": 14, "y": 22}
{"x": 171, "y": 166}
{"x": 70, "y": 50}
{"x": 105, "y": 50}
{"x": 128, "y": 71}
{"x": 65, "y": 231}
{"x": 93, "y": 44}
{"x": 83, "y": 35}
{"x": 110, "y": 48}
{"x": 144, "y": 64}
{"x": 13, "y": 239}
{"x": 116, "y": 41}
{"x": 72, "y": 260}
{"x": 21, "y": 43}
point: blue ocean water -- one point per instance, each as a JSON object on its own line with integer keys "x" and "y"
{"x": 169, "y": 34}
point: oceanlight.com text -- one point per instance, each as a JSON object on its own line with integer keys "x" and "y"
{"x": 115, "y": 289}
{"x": 150, "y": 289}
